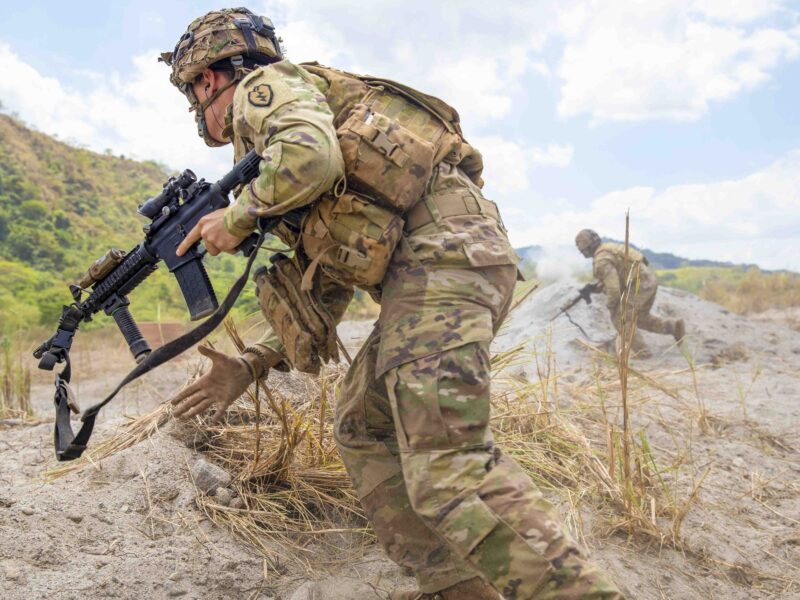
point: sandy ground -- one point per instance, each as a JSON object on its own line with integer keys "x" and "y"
{"x": 130, "y": 528}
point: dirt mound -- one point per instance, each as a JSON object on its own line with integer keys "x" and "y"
{"x": 720, "y": 414}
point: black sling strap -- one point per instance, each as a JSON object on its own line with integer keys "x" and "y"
{"x": 69, "y": 445}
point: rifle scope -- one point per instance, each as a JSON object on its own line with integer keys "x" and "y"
{"x": 172, "y": 188}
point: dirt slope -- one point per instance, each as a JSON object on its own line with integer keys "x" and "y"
{"x": 130, "y": 528}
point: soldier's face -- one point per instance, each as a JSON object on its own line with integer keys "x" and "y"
{"x": 204, "y": 88}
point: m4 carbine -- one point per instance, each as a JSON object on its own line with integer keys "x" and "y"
{"x": 585, "y": 294}
{"x": 172, "y": 214}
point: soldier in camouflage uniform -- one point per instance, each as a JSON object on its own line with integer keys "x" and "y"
{"x": 412, "y": 419}
{"x": 612, "y": 268}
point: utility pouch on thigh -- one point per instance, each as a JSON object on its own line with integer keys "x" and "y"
{"x": 383, "y": 159}
{"x": 305, "y": 328}
{"x": 351, "y": 238}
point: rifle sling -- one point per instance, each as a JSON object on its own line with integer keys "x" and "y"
{"x": 69, "y": 445}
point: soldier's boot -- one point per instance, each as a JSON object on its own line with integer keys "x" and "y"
{"x": 678, "y": 329}
{"x": 472, "y": 589}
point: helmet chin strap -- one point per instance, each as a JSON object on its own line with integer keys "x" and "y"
{"x": 201, "y": 109}
{"x": 210, "y": 104}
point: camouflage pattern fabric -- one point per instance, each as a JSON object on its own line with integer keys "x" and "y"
{"x": 612, "y": 270}
{"x": 213, "y": 37}
{"x": 279, "y": 112}
{"x": 442, "y": 498}
{"x": 412, "y": 418}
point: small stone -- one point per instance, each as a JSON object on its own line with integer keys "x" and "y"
{"x": 102, "y": 518}
{"x": 31, "y": 457}
{"x": 237, "y": 503}
{"x": 125, "y": 508}
{"x": 27, "y": 510}
{"x": 75, "y": 517}
{"x": 13, "y": 574}
{"x": 739, "y": 462}
{"x": 310, "y": 590}
{"x": 177, "y": 593}
{"x": 223, "y": 496}
{"x": 176, "y": 576}
{"x": 208, "y": 477}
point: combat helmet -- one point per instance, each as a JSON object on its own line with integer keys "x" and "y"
{"x": 587, "y": 241}
{"x": 231, "y": 37}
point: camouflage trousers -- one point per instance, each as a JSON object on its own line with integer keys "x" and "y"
{"x": 640, "y": 306}
{"x": 444, "y": 501}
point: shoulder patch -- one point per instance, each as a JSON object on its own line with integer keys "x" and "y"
{"x": 261, "y": 95}
{"x": 257, "y": 99}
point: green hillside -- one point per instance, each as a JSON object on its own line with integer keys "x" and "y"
{"x": 62, "y": 207}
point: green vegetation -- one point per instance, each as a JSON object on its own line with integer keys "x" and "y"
{"x": 61, "y": 208}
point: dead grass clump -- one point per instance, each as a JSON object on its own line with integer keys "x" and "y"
{"x": 573, "y": 446}
{"x": 15, "y": 383}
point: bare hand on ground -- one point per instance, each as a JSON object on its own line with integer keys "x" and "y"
{"x": 227, "y": 379}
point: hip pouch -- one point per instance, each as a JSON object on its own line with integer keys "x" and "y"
{"x": 297, "y": 316}
{"x": 351, "y": 239}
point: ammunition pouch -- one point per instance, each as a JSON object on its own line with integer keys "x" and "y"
{"x": 351, "y": 238}
{"x": 297, "y": 316}
{"x": 383, "y": 159}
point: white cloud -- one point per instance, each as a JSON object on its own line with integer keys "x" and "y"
{"x": 138, "y": 114}
{"x": 661, "y": 59}
{"x": 508, "y": 164}
{"x": 474, "y": 55}
{"x": 755, "y": 218}
{"x": 554, "y": 155}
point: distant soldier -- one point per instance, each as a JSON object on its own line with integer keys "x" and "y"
{"x": 611, "y": 269}
{"x": 412, "y": 227}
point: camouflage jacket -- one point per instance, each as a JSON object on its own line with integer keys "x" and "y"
{"x": 612, "y": 270}
{"x": 282, "y": 112}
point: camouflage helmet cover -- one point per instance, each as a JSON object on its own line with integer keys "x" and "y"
{"x": 220, "y": 34}
{"x": 587, "y": 240}
{"x": 229, "y": 33}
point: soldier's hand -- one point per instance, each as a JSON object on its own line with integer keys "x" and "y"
{"x": 213, "y": 233}
{"x": 226, "y": 381}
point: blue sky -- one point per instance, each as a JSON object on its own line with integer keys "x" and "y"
{"x": 683, "y": 111}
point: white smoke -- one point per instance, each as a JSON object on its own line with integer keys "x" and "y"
{"x": 559, "y": 264}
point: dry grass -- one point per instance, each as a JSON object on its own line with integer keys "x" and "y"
{"x": 278, "y": 443}
{"x": 755, "y": 292}
{"x": 15, "y": 382}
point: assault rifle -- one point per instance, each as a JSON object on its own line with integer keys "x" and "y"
{"x": 172, "y": 214}
{"x": 585, "y": 294}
